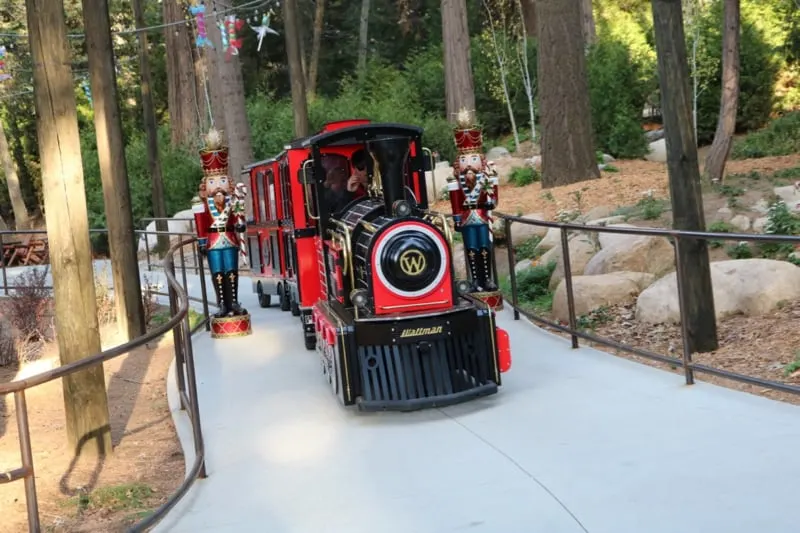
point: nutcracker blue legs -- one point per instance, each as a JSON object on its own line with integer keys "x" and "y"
{"x": 479, "y": 250}
{"x": 224, "y": 266}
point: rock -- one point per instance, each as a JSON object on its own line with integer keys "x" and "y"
{"x": 181, "y": 222}
{"x": 759, "y": 224}
{"x": 524, "y": 265}
{"x": 497, "y": 152}
{"x": 551, "y": 238}
{"x": 608, "y": 240}
{"x": 607, "y": 221}
{"x": 761, "y": 207}
{"x": 658, "y": 151}
{"x": 535, "y": 161}
{"x": 608, "y": 159}
{"x": 631, "y": 253}
{"x": 437, "y": 180}
{"x": 581, "y": 249}
{"x": 746, "y": 286}
{"x": 601, "y": 211}
{"x": 741, "y": 222}
{"x": 591, "y": 292}
{"x": 790, "y": 194}
{"x": 654, "y": 135}
{"x": 524, "y": 232}
{"x": 724, "y": 214}
{"x": 459, "y": 263}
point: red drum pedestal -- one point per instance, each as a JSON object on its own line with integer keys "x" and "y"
{"x": 493, "y": 299}
{"x": 230, "y": 326}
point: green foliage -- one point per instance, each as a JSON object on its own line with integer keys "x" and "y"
{"x": 532, "y": 283}
{"x": 741, "y": 250}
{"x": 596, "y": 317}
{"x": 719, "y": 226}
{"x": 780, "y": 137}
{"x": 650, "y": 208}
{"x": 618, "y": 90}
{"x": 780, "y": 221}
{"x": 527, "y": 249}
{"x": 521, "y": 176}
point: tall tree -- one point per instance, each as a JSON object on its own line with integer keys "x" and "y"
{"x": 459, "y": 86}
{"x": 299, "y": 103}
{"x": 150, "y": 126}
{"x": 729, "y": 101}
{"x": 113, "y": 171}
{"x": 182, "y": 88}
{"x": 77, "y": 329}
{"x": 21, "y": 216}
{"x": 568, "y": 152}
{"x": 528, "y": 8}
{"x": 236, "y": 126}
{"x": 589, "y": 29}
{"x": 316, "y": 42}
{"x": 363, "y": 41}
{"x": 684, "y": 174}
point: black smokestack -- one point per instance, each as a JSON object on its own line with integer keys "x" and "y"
{"x": 391, "y": 156}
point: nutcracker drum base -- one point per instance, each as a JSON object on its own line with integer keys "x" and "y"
{"x": 230, "y": 326}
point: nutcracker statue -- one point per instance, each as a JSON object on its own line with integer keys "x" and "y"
{"x": 220, "y": 223}
{"x": 473, "y": 194}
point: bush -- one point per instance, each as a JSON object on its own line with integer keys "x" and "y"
{"x": 780, "y": 137}
{"x": 521, "y": 176}
{"x": 533, "y": 283}
{"x": 618, "y": 91}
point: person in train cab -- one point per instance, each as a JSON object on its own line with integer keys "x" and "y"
{"x": 336, "y": 182}
{"x": 357, "y": 184}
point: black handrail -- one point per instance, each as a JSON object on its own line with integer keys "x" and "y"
{"x": 179, "y": 324}
{"x": 685, "y": 361}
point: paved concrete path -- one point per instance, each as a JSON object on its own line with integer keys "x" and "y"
{"x": 576, "y": 441}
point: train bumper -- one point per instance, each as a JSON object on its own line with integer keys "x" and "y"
{"x": 408, "y": 365}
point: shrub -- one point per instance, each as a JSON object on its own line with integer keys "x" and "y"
{"x": 521, "y": 176}
{"x": 780, "y": 137}
{"x": 532, "y": 283}
{"x": 29, "y": 305}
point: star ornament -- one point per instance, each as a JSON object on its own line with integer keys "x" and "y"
{"x": 263, "y": 29}
{"x": 464, "y": 118}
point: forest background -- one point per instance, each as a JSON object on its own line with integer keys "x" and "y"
{"x": 402, "y": 81}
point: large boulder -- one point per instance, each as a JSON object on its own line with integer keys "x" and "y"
{"x": 552, "y": 238}
{"x": 497, "y": 152}
{"x": 581, "y": 249}
{"x": 657, "y": 151}
{"x": 746, "y": 286}
{"x": 790, "y": 194}
{"x": 182, "y": 222}
{"x": 631, "y": 253}
{"x": 592, "y": 292}
{"x": 524, "y": 232}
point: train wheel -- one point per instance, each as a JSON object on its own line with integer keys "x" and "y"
{"x": 283, "y": 296}
{"x": 295, "y": 308}
{"x": 264, "y": 300}
{"x": 311, "y": 342}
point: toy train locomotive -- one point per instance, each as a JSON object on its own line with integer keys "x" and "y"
{"x": 369, "y": 269}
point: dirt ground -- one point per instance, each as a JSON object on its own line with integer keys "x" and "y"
{"x": 146, "y": 467}
{"x": 764, "y": 347}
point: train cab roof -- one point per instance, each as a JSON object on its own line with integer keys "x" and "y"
{"x": 357, "y": 134}
{"x": 247, "y": 168}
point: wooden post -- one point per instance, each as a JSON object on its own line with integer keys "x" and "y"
{"x": 113, "y": 172}
{"x": 156, "y": 178}
{"x": 684, "y": 173}
{"x": 295, "y": 69}
{"x": 85, "y": 399}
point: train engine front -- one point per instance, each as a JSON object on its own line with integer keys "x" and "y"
{"x": 397, "y": 330}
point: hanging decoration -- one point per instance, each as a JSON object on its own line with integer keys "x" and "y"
{"x": 263, "y": 29}
{"x": 231, "y": 40}
{"x": 3, "y": 75}
{"x": 198, "y": 9}
{"x": 87, "y": 89}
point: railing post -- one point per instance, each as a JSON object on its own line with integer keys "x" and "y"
{"x": 183, "y": 271}
{"x": 27, "y": 461}
{"x": 687, "y": 350}
{"x": 512, "y": 273}
{"x": 203, "y": 291}
{"x": 573, "y": 323}
{"x": 147, "y": 249}
{"x": 178, "y": 340}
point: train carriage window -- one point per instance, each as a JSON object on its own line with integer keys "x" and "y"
{"x": 262, "y": 206}
{"x": 286, "y": 190}
{"x": 273, "y": 208}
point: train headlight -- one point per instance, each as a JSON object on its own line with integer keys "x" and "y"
{"x": 358, "y": 297}
{"x": 401, "y": 208}
{"x": 462, "y": 286}
{"x": 411, "y": 260}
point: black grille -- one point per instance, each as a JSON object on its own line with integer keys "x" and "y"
{"x": 426, "y": 374}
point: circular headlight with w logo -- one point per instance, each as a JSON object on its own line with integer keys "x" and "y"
{"x": 411, "y": 260}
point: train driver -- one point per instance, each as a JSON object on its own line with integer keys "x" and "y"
{"x": 357, "y": 184}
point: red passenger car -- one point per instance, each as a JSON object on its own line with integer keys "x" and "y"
{"x": 343, "y": 237}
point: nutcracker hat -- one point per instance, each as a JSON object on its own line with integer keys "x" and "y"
{"x": 468, "y": 136}
{"x": 214, "y": 156}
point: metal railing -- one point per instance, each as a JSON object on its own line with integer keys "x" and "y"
{"x": 179, "y": 325}
{"x": 678, "y": 238}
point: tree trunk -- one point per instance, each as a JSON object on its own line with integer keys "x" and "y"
{"x": 21, "y": 216}
{"x": 726, "y": 124}
{"x": 236, "y": 125}
{"x": 209, "y": 66}
{"x": 568, "y": 153}
{"x": 684, "y": 174}
{"x": 529, "y": 17}
{"x": 459, "y": 86}
{"x": 362, "y": 37}
{"x": 148, "y": 110}
{"x": 113, "y": 172}
{"x": 299, "y": 104}
{"x": 313, "y": 68}
{"x": 589, "y": 30}
{"x": 182, "y": 96}
{"x": 77, "y": 329}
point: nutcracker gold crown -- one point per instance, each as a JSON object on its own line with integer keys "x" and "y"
{"x": 468, "y": 136}
{"x": 214, "y": 157}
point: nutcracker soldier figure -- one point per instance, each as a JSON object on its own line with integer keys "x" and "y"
{"x": 220, "y": 221}
{"x": 473, "y": 194}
